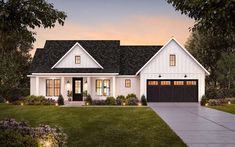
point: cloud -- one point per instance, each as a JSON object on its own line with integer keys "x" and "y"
{"x": 131, "y": 30}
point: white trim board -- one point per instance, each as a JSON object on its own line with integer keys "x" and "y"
{"x": 71, "y": 50}
{"x": 172, "y": 39}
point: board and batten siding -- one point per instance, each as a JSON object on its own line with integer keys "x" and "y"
{"x": 185, "y": 65}
{"x": 122, "y": 90}
{"x": 69, "y": 60}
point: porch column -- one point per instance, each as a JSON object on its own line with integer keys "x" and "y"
{"x": 62, "y": 88}
{"x": 114, "y": 86}
{"x": 37, "y": 86}
{"x": 88, "y": 85}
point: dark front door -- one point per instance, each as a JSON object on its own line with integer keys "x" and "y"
{"x": 172, "y": 90}
{"x": 77, "y": 89}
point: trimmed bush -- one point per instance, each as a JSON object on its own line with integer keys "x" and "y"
{"x": 204, "y": 100}
{"x": 120, "y": 99}
{"x": 60, "y": 100}
{"x": 132, "y": 101}
{"x": 143, "y": 100}
{"x": 35, "y": 100}
{"x": 98, "y": 102}
{"x": 2, "y": 100}
{"x": 88, "y": 99}
{"x": 132, "y": 95}
{"x": 110, "y": 100}
{"x": 14, "y": 133}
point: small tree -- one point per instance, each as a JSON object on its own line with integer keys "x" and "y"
{"x": 143, "y": 100}
{"x": 60, "y": 100}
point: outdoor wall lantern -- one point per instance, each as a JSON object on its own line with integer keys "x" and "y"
{"x": 185, "y": 76}
{"x": 160, "y": 76}
{"x": 68, "y": 85}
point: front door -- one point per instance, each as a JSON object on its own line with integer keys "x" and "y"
{"x": 77, "y": 89}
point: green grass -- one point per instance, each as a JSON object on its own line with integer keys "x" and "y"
{"x": 226, "y": 108}
{"x": 90, "y": 126}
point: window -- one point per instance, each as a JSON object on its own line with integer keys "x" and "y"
{"x": 77, "y": 87}
{"x": 172, "y": 60}
{"x": 103, "y": 87}
{"x": 49, "y": 88}
{"x": 106, "y": 87}
{"x": 165, "y": 82}
{"x": 127, "y": 83}
{"x": 77, "y": 59}
{"x": 52, "y": 87}
{"x": 152, "y": 82}
{"x": 57, "y": 87}
{"x": 191, "y": 83}
{"x": 178, "y": 82}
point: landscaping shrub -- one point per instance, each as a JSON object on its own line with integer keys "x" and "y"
{"x": 120, "y": 99}
{"x": 13, "y": 133}
{"x": 60, "y": 100}
{"x": 2, "y": 100}
{"x": 143, "y": 100}
{"x": 204, "y": 100}
{"x": 110, "y": 100}
{"x": 219, "y": 102}
{"x": 34, "y": 100}
{"x": 132, "y": 95}
{"x": 132, "y": 101}
{"x": 98, "y": 102}
{"x": 88, "y": 99}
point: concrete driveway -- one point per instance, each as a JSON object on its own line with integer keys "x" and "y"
{"x": 198, "y": 126}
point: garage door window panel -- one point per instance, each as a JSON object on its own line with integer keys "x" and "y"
{"x": 165, "y": 83}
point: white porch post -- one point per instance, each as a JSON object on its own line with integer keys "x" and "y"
{"x": 37, "y": 85}
{"x": 88, "y": 85}
{"x": 62, "y": 88}
{"x": 114, "y": 86}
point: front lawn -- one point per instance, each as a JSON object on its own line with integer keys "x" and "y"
{"x": 89, "y": 126}
{"x": 227, "y": 108}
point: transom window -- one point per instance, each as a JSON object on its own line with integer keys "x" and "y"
{"x": 53, "y": 87}
{"x": 178, "y": 82}
{"x": 172, "y": 60}
{"x": 165, "y": 82}
{"x": 152, "y": 82}
{"x": 103, "y": 87}
{"x": 77, "y": 59}
{"x": 127, "y": 83}
{"x": 191, "y": 83}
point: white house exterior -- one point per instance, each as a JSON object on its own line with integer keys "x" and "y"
{"x": 166, "y": 73}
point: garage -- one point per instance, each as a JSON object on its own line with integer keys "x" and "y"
{"x": 172, "y": 90}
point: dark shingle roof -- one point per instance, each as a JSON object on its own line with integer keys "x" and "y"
{"x": 125, "y": 60}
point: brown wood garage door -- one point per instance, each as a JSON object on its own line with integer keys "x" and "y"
{"x": 172, "y": 90}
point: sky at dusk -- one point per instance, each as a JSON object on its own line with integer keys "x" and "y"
{"x": 130, "y": 21}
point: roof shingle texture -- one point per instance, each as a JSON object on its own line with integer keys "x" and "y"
{"x": 125, "y": 60}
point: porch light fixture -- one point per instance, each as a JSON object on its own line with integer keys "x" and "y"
{"x": 68, "y": 85}
{"x": 229, "y": 102}
{"x": 160, "y": 76}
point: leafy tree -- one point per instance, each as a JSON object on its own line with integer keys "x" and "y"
{"x": 18, "y": 18}
{"x": 214, "y": 15}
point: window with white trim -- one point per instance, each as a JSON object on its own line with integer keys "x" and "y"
{"x": 77, "y": 59}
{"x": 127, "y": 83}
{"x": 53, "y": 87}
{"x": 103, "y": 87}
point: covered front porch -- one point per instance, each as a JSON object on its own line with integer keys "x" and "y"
{"x": 73, "y": 87}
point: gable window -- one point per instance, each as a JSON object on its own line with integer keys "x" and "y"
{"x": 127, "y": 83}
{"x": 53, "y": 87}
{"x": 172, "y": 60}
{"x": 103, "y": 87}
{"x": 77, "y": 59}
